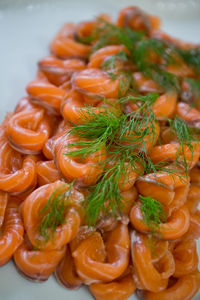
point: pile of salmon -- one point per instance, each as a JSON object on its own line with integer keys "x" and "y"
{"x": 114, "y": 259}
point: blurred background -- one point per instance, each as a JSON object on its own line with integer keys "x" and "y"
{"x": 27, "y": 26}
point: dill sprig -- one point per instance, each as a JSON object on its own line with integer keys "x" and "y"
{"x": 142, "y": 57}
{"x": 105, "y": 197}
{"x": 54, "y": 212}
{"x": 185, "y": 136}
{"x": 191, "y": 57}
{"x": 123, "y": 138}
{"x": 99, "y": 129}
{"x": 110, "y": 130}
{"x": 183, "y": 132}
{"x": 141, "y": 101}
{"x": 165, "y": 79}
{"x": 111, "y": 63}
{"x": 152, "y": 211}
{"x": 113, "y": 67}
{"x": 110, "y": 34}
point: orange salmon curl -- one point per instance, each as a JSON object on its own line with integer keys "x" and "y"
{"x": 184, "y": 288}
{"x": 146, "y": 274}
{"x": 100, "y": 56}
{"x": 37, "y": 265}
{"x": 46, "y": 94}
{"x": 194, "y": 228}
{"x": 73, "y": 108}
{"x": 172, "y": 152}
{"x": 47, "y": 172}
{"x": 48, "y": 146}
{"x": 120, "y": 289}
{"x": 28, "y": 131}
{"x": 175, "y": 226}
{"x": 66, "y": 231}
{"x": 86, "y": 171}
{"x": 3, "y": 205}
{"x": 185, "y": 258}
{"x": 145, "y": 85}
{"x": 59, "y": 71}
{"x": 65, "y": 46}
{"x": 17, "y": 172}
{"x": 12, "y": 232}
{"x": 97, "y": 83}
{"x": 137, "y": 19}
{"x": 99, "y": 262}
{"x": 190, "y": 114}
{"x": 66, "y": 272}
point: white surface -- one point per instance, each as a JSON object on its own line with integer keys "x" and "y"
{"x": 26, "y": 28}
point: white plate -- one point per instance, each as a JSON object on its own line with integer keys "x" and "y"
{"x": 26, "y": 28}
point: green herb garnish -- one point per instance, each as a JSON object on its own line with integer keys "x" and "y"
{"x": 54, "y": 212}
{"x": 185, "y": 136}
{"x": 123, "y": 137}
{"x": 110, "y": 34}
{"x": 191, "y": 57}
{"x": 111, "y": 62}
{"x": 152, "y": 211}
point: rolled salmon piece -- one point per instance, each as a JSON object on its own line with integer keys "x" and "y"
{"x": 37, "y": 265}
{"x": 66, "y": 230}
{"x": 12, "y": 232}
{"x": 90, "y": 256}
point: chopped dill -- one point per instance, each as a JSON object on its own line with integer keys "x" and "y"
{"x": 54, "y": 212}
{"x": 152, "y": 211}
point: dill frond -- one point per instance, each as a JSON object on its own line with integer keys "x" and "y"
{"x": 142, "y": 57}
{"x": 146, "y": 100}
{"x": 112, "y": 62}
{"x": 105, "y": 197}
{"x": 152, "y": 211}
{"x": 113, "y": 68}
{"x": 185, "y": 136}
{"x": 123, "y": 138}
{"x": 99, "y": 130}
{"x": 165, "y": 79}
{"x": 143, "y": 51}
{"x": 53, "y": 213}
{"x": 110, "y": 34}
{"x": 191, "y": 57}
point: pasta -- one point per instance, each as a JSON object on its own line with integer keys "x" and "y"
{"x": 99, "y": 163}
